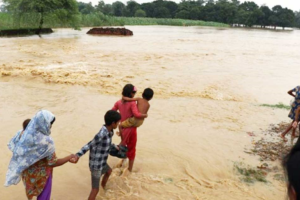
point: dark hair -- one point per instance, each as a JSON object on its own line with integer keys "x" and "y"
{"x": 148, "y": 94}
{"x": 25, "y": 123}
{"x": 111, "y": 116}
{"x": 291, "y": 166}
{"x": 53, "y": 120}
{"x": 127, "y": 90}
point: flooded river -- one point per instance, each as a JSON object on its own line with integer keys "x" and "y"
{"x": 208, "y": 83}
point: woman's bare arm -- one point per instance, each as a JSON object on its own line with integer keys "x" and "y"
{"x": 291, "y": 93}
{"x": 63, "y": 161}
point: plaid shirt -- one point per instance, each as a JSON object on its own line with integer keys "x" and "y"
{"x": 99, "y": 149}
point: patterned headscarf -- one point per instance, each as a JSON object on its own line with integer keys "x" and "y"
{"x": 34, "y": 145}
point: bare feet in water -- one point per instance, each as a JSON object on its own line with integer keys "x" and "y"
{"x": 283, "y": 137}
{"x": 126, "y": 173}
{"x": 120, "y": 164}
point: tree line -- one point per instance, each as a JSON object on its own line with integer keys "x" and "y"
{"x": 224, "y": 11}
{"x": 231, "y": 12}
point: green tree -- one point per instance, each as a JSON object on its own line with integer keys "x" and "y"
{"x": 248, "y": 6}
{"x": 264, "y": 20}
{"x": 210, "y": 12}
{"x": 183, "y": 14}
{"x": 274, "y": 21}
{"x": 100, "y": 6}
{"x": 131, "y": 8}
{"x": 200, "y": 2}
{"x": 275, "y": 17}
{"x": 248, "y": 13}
{"x": 241, "y": 17}
{"x": 140, "y": 13}
{"x": 297, "y": 19}
{"x": 226, "y": 11}
{"x": 148, "y": 8}
{"x": 162, "y": 12}
{"x": 118, "y": 8}
{"x": 108, "y": 9}
{"x": 235, "y": 2}
{"x": 287, "y": 18}
{"x": 45, "y": 6}
{"x": 195, "y": 13}
{"x": 86, "y": 8}
{"x": 172, "y": 7}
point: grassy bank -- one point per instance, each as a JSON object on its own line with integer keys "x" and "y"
{"x": 25, "y": 31}
{"x": 31, "y": 20}
{"x": 279, "y": 106}
{"x": 169, "y": 22}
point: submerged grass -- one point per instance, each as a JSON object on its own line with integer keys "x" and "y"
{"x": 170, "y": 22}
{"x": 250, "y": 174}
{"x": 279, "y": 106}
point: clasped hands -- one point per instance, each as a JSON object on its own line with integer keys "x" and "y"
{"x": 73, "y": 159}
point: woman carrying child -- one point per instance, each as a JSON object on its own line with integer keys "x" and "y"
{"x": 34, "y": 158}
{"x": 127, "y": 110}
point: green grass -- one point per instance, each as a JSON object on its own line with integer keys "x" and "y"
{"x": 6, "y": 21}
{"x": 58, "y": 20}
{"x": 249, "y": 174}
{"x": 31, "y": 20}
{"x": 170, "y": 22}
{"x": 279, "y": 106}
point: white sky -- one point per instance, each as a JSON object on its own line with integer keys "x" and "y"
{"x": 291, "y": 4}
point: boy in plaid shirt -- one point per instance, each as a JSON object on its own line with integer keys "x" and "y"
{"x": 99, "y": 149}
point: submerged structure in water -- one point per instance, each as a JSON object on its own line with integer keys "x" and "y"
{"x": 110, "y": 31}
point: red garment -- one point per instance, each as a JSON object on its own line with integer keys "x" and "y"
{"x": 131, "y": 142}
{"x": 127, "y": 110}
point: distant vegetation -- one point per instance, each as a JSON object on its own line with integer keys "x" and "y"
{"x": 70, "y": 13}
{"x": 230, "y": 12}
{"x": 168, "y": 21}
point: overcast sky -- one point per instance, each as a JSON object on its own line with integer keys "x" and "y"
{"x": 291, "y": 4}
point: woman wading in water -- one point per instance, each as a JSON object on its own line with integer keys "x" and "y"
{"x": 34, "y": 158}
{"x": 127, "y": 110}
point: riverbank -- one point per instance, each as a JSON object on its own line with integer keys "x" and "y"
{"x": 24, "y": 32}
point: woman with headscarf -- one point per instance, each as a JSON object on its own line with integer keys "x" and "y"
{"x": 34, "y": 158}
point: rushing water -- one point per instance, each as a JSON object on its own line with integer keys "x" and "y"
{"x": 207, "y": 82}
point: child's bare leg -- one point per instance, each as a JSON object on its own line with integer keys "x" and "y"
{"x": 93, "y": 194}
{"x": 294, "y": 133}
{"x": 120, "y": 164}
{"x": 105, "y": 178}
{"x": 286, "y": 131}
